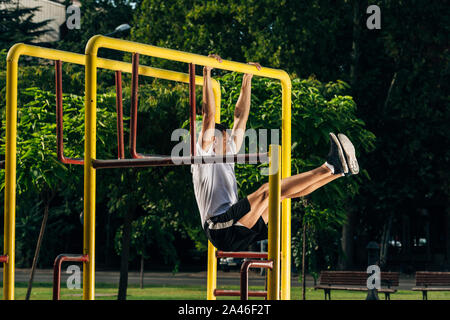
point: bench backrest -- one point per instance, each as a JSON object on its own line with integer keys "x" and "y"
{"x": 356, "y": 278}
{"x": 425, "y": 278}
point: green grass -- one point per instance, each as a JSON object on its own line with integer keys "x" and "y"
{"x": 43, "y": 291}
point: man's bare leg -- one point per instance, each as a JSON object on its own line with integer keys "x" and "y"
{"x": 305, "y": 192}
{"x": 291, "y": 187}
{"x": 314, "y": 186}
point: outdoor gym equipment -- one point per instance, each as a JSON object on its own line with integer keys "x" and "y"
{"x": 14, "y": 54}
{"x": 278, "y": 255}
{"x": 244, "y": 293}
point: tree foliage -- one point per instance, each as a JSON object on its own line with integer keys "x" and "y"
{"x": 40, "y": 173}
{"x": 399, "y": 80}
{"x": 97, "y": 17}
{"x": 17, "y": 25}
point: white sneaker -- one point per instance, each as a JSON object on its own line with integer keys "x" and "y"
{"x": 349, "y": 152}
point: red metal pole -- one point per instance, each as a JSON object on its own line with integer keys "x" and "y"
{"x": 237, "y": 293}
{"x": 59, "y": 118}
{"x": 158, "y": 161}
{"x": 244, "y": 273}
{"x": 134, "y": 105}
{"x": 59, "y": 111}
{"x": 241, "y": 254}
{"x": 119, "y": 109}
{"x": 57, "y": 270}
{"x": 192, "y": 111}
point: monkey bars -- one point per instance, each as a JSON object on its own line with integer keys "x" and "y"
{"x": 12, "y": 66}
{"x": 92, "y": 64}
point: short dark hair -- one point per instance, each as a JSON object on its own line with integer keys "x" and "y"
{"x": 220, "y": 127}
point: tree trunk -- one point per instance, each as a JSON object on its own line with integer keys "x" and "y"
{"x": 385, "y": 241}
{"x": 357, "y": 6}
{"x": 447, "y": 238}
{"x": 346, "y": 257}
{"x": 126, "y": 238}
{"x": 389, "y": 93}
{"x": 304, "y": 261}
{"x": 38, "y": 249}
{"x": 141, "y": 282}
{"x": 406, "y": 238}
{"x": 108, "y": 240}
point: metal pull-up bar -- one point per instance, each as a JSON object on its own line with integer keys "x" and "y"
{"x": 92, "y": 63}
{"x": 192, "y": 111}
{"x": 157, "y": 161}
{"x": 134, "y": 111}
{"x": 59, "y": 118}
{"x": 134, "y": 106}
{"x": 10, "y": 163}
{"x": 60, "y": 122}
{"x": 119, "y": 110}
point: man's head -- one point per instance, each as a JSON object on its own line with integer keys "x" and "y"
{"x": 220, "y": 138}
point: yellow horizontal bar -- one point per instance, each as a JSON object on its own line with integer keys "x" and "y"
{"x": 99, "y": 41}
{"x": 21, "y": 49}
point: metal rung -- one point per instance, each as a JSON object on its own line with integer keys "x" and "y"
{"x": 174, "y": 161}
{"x": 237, "y": 293}
{"x": 241, "y": 254}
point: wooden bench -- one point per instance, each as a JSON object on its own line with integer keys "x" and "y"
{"x": 355, "y": 281}
{"x": 431, "y": 281}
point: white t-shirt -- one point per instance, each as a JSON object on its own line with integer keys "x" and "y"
{"x": 215, "y": 184}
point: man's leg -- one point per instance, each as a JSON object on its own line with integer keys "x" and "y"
{"x": 315, "y": 186}
{"x": 305, "y": 183}
{"x": 291, "y": 187}
{"x": 305, "y": 192}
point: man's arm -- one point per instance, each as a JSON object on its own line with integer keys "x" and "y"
{"x": 208, "y": 108}
{"x": 242, "y": 109}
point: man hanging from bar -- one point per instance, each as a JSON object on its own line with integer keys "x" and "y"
{"x": 232, "y": 224}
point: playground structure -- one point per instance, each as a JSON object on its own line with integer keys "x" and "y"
{"x": 279, "y": 245}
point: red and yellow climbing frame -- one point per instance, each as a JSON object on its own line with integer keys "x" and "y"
{"x": 279, "y": 252}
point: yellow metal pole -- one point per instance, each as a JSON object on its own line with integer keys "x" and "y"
{"x": 100, "y": 41}
{"x": 273, "y": 276}
{"x": 211, "y": 284}
{"x": 89, "y": 176}
{"x": 286, "y": 205}
{"x": 10, "y": 176}
{"x": 21, "y": 49}
{"x": 211, "y": 280}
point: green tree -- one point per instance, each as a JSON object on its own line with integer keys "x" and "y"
{"x": 317, "y": 109}
{"x": 293, "y": 35}
{"x": 402, "y": 90}
{"x": 44, "y": 183}
{"x": 399, "y": 77}
{"x": 97, "y": 17}
{"x": 153, "y": 191}
{"x": 17, "y": 25}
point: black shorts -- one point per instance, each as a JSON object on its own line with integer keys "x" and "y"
{"x": 225, "y": 235}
